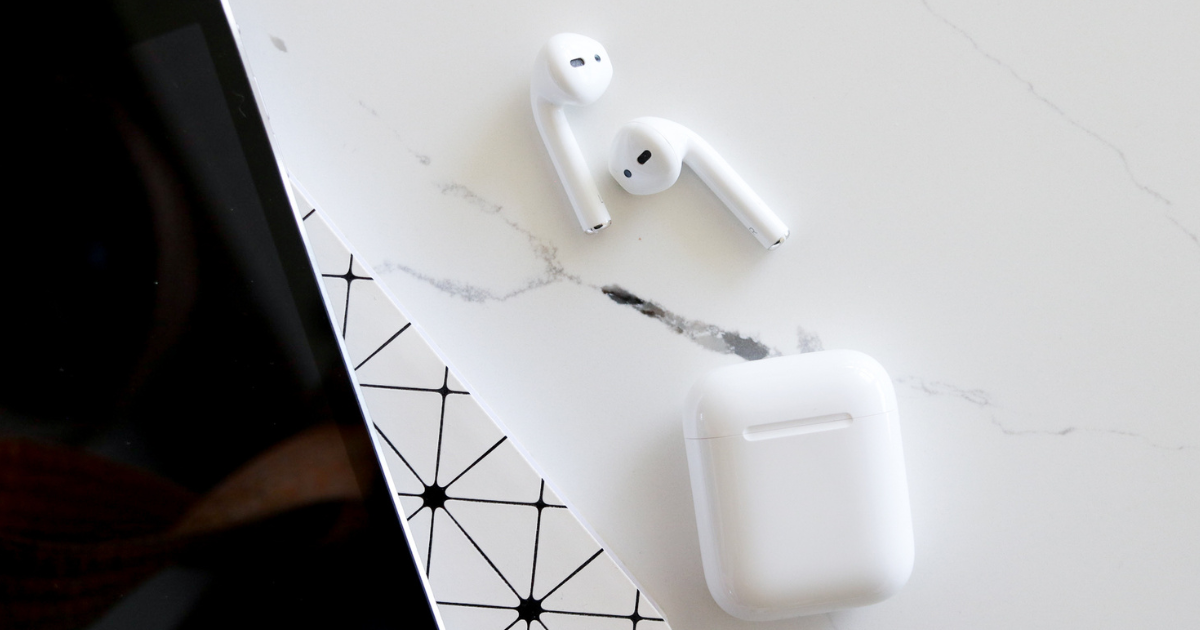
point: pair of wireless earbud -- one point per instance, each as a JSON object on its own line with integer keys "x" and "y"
{"x": 647, "y": 154}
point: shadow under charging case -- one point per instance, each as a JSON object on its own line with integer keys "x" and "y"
{"x": 798, "y": 482}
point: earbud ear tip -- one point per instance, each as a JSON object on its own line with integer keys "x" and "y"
{"x": 572, "y": 69}
{"x": 642, "y": 159}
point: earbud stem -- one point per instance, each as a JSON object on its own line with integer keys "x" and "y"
{"x": 734, "y": 192}
{"x": 569, "y": 162}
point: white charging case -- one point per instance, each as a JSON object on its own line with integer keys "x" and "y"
{"x": 798, "y": 482}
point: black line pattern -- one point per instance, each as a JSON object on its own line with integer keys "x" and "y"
{"x": 434, "y": 498}
{"x": 349, "y": 276}
{"x": 439, "y": 500}
{"x": 385, "y": 344}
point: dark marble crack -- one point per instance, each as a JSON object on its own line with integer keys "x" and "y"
{"x": 704, "y": 334}
{"x": 1053, "y": 106}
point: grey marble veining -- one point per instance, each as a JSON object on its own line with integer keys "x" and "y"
{"x": 707, "y": 335}
{"x": 1168, "y": 213}
{"x": 1033, "y": 91}
{"x": 982, "y": 400}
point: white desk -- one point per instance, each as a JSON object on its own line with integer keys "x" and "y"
{"x": 1000, "y": 204}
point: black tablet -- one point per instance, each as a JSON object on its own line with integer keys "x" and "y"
{"x": 181, "y": 443}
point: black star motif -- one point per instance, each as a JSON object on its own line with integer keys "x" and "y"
{"x": 530, "y": 610}
{"x": 349, "y": 277}
{"x": 434, "y": 497}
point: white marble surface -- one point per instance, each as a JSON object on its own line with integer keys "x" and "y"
{"x": 999, "y": 203}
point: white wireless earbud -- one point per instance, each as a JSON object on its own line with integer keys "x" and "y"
{"x": 648, "y": 154}
{"x": 571, "y": 70}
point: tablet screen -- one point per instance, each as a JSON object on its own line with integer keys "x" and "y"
{"x": 181, "y": 445}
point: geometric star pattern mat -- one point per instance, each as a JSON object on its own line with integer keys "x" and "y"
{"x": 499, "y": 549}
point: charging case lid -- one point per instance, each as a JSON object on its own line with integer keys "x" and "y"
{"x": 815, "y": 387}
